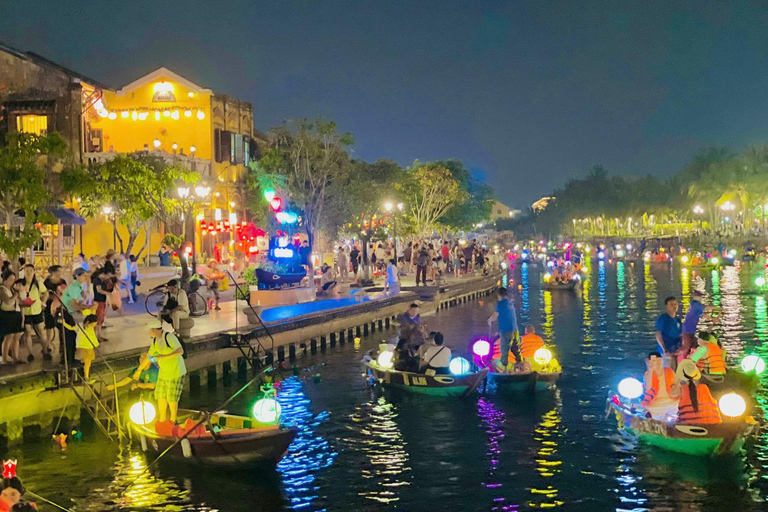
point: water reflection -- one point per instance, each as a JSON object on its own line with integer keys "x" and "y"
{"x": 492, "y": 420}
{"x": 546, "y": 437}
{"x": 525, "y": 298}
{"x": 731, "y": 320}
{"x": 309, "y": 453}
{"x": 382, "y": 443}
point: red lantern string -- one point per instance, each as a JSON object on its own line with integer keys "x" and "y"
{"x": 9, "y": 468}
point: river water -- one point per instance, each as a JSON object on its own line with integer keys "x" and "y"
{"x": 363, "y": 449}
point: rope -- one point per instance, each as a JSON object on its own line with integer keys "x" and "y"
{"x": 49, "y": 502}
{"x": 63, "y": 409}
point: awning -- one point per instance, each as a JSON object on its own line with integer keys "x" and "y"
{"x": 66, "y": 216}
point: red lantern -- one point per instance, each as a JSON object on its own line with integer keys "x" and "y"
{"x": 9, "y": 468}
{"x": 275, "y": 204}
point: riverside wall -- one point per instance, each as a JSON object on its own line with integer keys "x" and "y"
{"x": 34, "y": 406}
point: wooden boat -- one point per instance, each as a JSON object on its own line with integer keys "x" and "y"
{"x": 437, "y": 385}
{"x": 734, "y": 380}
{"x": 223, "y": 439}
{"x": 531, "y": 381}
{"x": 570, "y": 285}
{"x": 708, "y": 440}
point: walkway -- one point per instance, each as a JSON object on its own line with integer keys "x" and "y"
{"x": 127, "y": 331}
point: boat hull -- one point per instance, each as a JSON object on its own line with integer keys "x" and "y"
{"x": 435, "y": 385}
{"x": 708, "y": 440}
{"x": 558, "y": 286}
{"x": 523, "y": 382}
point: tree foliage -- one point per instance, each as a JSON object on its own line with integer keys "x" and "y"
{"x": 30, "y": 166}
{"x": 430, "y": 190}
{"x": 478, "y": 202}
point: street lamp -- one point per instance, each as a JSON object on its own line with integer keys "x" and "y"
{"x": 698, "y": 210}
{"x": 110, "y": 212}
{"x": 389, "y": 206}
{"x": 185, "y": 193}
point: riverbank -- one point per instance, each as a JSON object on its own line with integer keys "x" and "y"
{"x": 32, "y": 402}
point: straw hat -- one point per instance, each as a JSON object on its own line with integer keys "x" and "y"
{"x": 686, "y": 370}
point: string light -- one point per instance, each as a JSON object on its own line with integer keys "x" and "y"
{"x": 200, "y": 115}
{"x": 143, "y": 113}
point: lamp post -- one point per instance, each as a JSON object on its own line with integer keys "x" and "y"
{"x": 388, "y": 206}
{"x": 185, "y": 194}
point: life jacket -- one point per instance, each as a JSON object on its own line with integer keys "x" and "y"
{"x": 651, "y": 393}
{"x": 708, "y": 412}
{"x": 529, "y": 344}
{"x": 713, "y": 363}
{"x": 497, "y": 352}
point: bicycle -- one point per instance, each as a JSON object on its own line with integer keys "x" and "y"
{"x": 155, "y": 301}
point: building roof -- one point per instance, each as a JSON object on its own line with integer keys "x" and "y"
{"x": 42, "y": 61}
{"x": 162, "y": 72}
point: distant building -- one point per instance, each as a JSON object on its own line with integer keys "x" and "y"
{"x": 502, "y": 211}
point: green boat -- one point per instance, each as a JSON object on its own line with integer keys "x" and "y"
{"x": 436, "y": 385}
{"x": 706, "y": 440}
{"x": 530, "y": 382}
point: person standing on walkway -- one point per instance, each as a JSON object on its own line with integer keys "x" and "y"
{"x": 176, "y": 304}
{"x": 133, "y": 267}
{"x": 74, "y": 303}
{"x": 414, "y": 256}
{"x": 342, "y": 261}
{"x": 34, "y": 319}
{"x": 456, "y": 254}
{"x": 407, "y": 255}
{"x": 101, "y": 285}
{"x": 11, "y": 318}
{"x": 165, "y": 256}
{"x": 167, "y": 352}
{"x": 212, "y": 278}
{"x": 422, "y": 261}
{"x": 669, "y": 333}
{"x": 55, "y": 284}
{"x": 354, "y": 258}
{"x": 507, "y": 318}
{"x": 445, "y": 257}
{"x": 124, "y": 269}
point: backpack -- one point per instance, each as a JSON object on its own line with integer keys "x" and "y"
{"x": 423, "y": 259}
{"x": 184, "y": 353}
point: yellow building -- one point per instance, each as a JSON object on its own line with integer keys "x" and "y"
{"x": 168, "y": 116}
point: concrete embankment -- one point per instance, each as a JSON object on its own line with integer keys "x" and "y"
{"x": 33, "y": 406}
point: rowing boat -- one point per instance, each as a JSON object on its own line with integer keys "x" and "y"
{"x": 706, "y": 440}
{"x": 531, "y": 381}
{"x": 220, "y": 440}
{"x": 436, "y": 385}
{"x": 570, "y": 285}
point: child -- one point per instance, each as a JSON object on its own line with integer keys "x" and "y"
{"x": 86, "y": 343}
{"x": 212, "y": 278}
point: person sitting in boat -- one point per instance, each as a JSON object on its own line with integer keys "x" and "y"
{"x": 697, "y": 405}
{"x": 709, "y": 357}
{"x": 404, "y": 361}
{"x": 437, "y": 358}
{"x": 530, "y": 343}
{"x": 411, "y": 327}
{"x": 144, "y": 376}
{"x": 662, "y": 391}
{"x": 423, "y": 349}
{"x": 12, "y": 490}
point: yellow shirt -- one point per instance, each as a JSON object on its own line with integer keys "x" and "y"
{"x": 86, "y": 338}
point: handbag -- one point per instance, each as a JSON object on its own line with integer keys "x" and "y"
{"x": 27, "y": 302}
{"x": 117, "y": 302}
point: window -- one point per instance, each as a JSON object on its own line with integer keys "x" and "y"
{"x": 31, "y": 123}
{"x": 237, "y": 150}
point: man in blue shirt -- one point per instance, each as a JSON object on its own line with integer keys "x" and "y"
{"x": 669, "y": 332}
{"x": 691, "y": 322}
{"x": 507, "y": 318}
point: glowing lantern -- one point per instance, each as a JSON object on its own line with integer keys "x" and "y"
{"x": 714, "y": 261}
{"x": 143, "y": 116}
{"x": 124, "y": 114}
{"x": 200, "y": 115}
{"x": 269, "y": 195}
{"x": 157, "y": 115}
{"x": 266, "y": 410}
{"x": 459, "y": 366}
{"x": 684, "y": 258}
{"x": 542, "y": 356}
{"x": 481, "y": 348}
{"x": 385, "y": 359}
{"x": 142, "y": 413}
{"x": 187, "y": 113}
{"x": 275, "y": 204}
{"x": 175, "y": 114}
{"x": 112, "y": 115}
{"x": 732, "y": 405}
{"x": 630, "y": 388}
{"x": 601, "y": 255}
{"x": 134, "y": 115}
{"x": 753, "y": 363}
{"x": 760, "y": 281}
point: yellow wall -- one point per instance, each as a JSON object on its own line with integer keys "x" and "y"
{"x": 126, "y": 135}
{"x": 97, "y": 239}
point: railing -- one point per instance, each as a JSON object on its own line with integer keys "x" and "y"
{"x": 198, "y": 165}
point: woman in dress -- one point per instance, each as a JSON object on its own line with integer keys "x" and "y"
{"x": 11, "y": 319}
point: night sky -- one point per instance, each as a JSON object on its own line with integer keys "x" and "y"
{"x": 527, "y": 94}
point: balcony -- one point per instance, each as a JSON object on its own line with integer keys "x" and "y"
{"x": 198, "y": 165}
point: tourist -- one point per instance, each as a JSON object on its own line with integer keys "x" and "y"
{"x": 143, "y": 376}
{"x": 86, "y": 344}
{"x": 414, "y": 256}
{"x": 305, "y": 254}
{"x": 691, "y": 322}
{"x": 403, "y": 360}
{"x": 101, "y": 285}
{"x": 354, "y": 258}
{"x": 392, "y": 283}
{"x": 411, "y": 327}
{"x": 133, "y": 267}
{"x": 381, "y": 254}
{"x": 422, "y": 262}
{"x": 165, "y": 256}
{"x": 327, "y": 279}
{"x": 530, "y": 343}
{"x": 433, "y": 263}
{"x": 342, "y": 262}
{"x": 697, "y": 405}
{"x": 445, "y": 257}
{"x": 507, "y": 319}
{"x": 176, "y": 304}
{"x": 167, "y": 352}
{"x": 11, "y": 493}
{"x": 212, "y": 277}
{"x": 124, "y": 276}
{"x": 709, "y": 357}
{"x": 669, "y": 332}
{"x": 456, "y": 254}
{"x": 11, "y": 318}
{"x": 437, "y": 359}
{"x": 34, "y": 319}
{"x": 469, "y": 254}
{"x": 407, "y": 254}
{"x": 79, "y": 262}
{"x": 430, "y": 342}
{"x": 662, "y": 391}
{"x": 74, "y": 304}
{"x": 55, "y": 284}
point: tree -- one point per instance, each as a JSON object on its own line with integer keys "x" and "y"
{"x": 430, "y": 191}
{"x": 134, "y": 191}
{"x": 479, "y": 199}
{"x": 29, "y": 169}
{"x": 312, "y": 157}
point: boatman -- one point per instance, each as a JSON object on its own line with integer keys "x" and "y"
{"x": 411, "y": 327}
{"x": 669, "y": 333}
{"x": 691, "y": 322}
{"x": 167, "y": 352}
{"x": 507, "y": 318}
